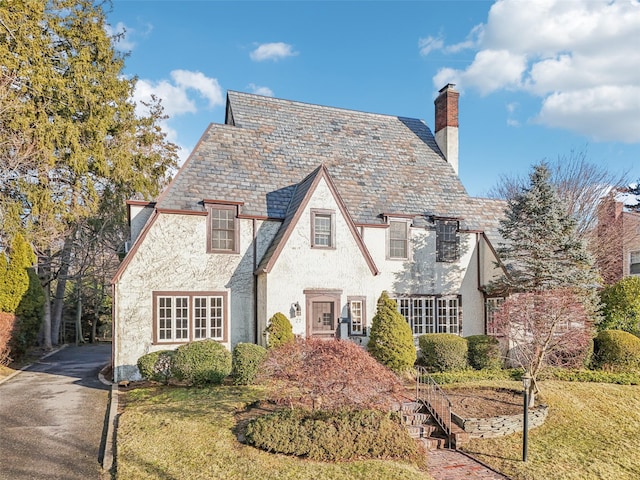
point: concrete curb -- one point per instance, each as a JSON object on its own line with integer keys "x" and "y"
{"x": 108, "y": 460}
{"x": 30, "y": 364}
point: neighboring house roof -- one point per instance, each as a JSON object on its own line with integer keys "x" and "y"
{"x": 378, "y": 163}
{"x": 299, "y": 201}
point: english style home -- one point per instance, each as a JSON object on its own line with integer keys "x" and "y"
{"x": 311, "y": 211}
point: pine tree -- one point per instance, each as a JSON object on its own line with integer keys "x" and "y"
{"x": 542, "y": 250}
{"x": 391, "y": 339}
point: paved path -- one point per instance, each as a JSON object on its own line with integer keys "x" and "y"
{"x": 452, "y": 465}
{"x": 52, "y": 417}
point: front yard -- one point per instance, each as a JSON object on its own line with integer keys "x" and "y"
{"x": 592, "y": 432}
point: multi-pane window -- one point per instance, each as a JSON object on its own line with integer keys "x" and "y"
{"x": 357, "y": 315}
{"x": 223, "y": 230}
{"x": 322, "y": 229}
{"x": 427, "y": 314}
{"x": 184, "y": 317}
{"x": 491, "y": 306}
{"x": 398, "y": 239}
{"x": 634, "y": 263}
{"x": 447, "y": 242}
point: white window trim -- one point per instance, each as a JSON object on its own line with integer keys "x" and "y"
{"x": 424, "y": 312}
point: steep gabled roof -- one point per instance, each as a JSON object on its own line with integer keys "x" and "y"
{"x": 300, "y": 198}
{"x": 379, "y": 163}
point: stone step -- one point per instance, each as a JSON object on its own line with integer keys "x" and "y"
{"x": 410, "y": 407}
{"x": 415, "y": 418}
{"x": 434, "y": 443}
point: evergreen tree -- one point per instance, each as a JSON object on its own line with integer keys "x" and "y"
{"x": 542, "y": 250}
{"x": 14, "y": 278}
{"x": 280, "y": 331}
{"x": 391, "y": 339}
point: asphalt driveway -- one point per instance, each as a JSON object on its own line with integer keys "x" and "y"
{"x": 52, "y": 417}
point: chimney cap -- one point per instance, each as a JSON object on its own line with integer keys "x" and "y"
{"x": 448, "y": 86}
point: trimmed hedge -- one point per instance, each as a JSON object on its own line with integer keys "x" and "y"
{"x": 334, "y": 436}
{"x": 247, "y": 358}
{"x": 484, "y": 352}
{"x": 443, "y": 352}
{"x": 157, "y": 366}
{"x": 279, "y": 331}
{"x": 616, "y": 351}
{"x": 202, "y": 362}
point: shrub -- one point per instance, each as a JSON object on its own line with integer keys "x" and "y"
{"x": 7, "y": 321}
{"x": 464, "y": 376}
{"x": 247, "y": 359}
{"x": 329, "y": 374}
{"x": 157, "y": 366}
{"x": 279, "y": 331}
{"x": 616, "y": 351}
{"x": 14, "y": 279}
{"x": 390, "y": 338}
{"x": 484, "y": 352}
{"x": 621, "y": 306}
{"x": 334, "y": 436}
{"x": 29, "y": 316}
{"x": 202, "y": 362}
{"x": 443, "y": 352}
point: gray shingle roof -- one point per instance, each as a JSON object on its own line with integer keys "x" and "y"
{"x": 379, "y": 163}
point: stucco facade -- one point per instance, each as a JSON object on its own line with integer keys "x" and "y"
{"x": 251, "y": 226}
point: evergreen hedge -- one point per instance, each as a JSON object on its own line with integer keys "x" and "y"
{"x": 29, "y": 316}
{"x": 14, "y": 278}
{"x": 443, "y": 352}
{"x": 616, "y": 351}
{"x": 202, "y": 362}
{"x": 247, "y": 359}
{"x": 484, "y": 352}
{"x": 157, "y": 366}
{"x": 391, "y": 338}
{"x": 279, "y": 331}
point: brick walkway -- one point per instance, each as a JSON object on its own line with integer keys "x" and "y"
{"x": 452, "y": 465}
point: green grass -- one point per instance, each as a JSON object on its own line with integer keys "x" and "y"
{"x": 187, "y": 433}
{"x": 592, "y": 432}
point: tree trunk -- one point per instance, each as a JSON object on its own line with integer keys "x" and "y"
{"x": 61, "y": 286}
{"x": 79, "y": 338}
{"x": 47, "y": 319}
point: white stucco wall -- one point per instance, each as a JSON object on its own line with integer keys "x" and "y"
{"x": 173, "y": 257}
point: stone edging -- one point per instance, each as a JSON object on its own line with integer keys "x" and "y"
{"x": 499, "y": 426}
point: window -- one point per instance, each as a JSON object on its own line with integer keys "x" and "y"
{"x": 491, "y": 306}
{"x": 634, "y": 263}
{"x": 183, "y": 317}
{"x": 223, "y": 229}
{"x": 322, "y": 229}
{"x": 447, "y": 241}
{"x": 398, "y": 236}
{"x": 423, "y": 316}
{"x": 357, "y": 317}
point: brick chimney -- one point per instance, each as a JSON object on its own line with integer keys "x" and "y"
{"x": 447, "y": 124}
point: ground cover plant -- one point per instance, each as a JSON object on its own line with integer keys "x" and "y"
{"x": 169, "y": 432}
{"x": 591, "y": 432}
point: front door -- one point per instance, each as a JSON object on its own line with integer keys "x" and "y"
{"x": 323, "y": 309}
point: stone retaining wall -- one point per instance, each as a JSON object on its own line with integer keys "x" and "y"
{"x": 500, "y": 426}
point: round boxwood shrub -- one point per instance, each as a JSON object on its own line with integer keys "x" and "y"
{"x": 157, "y": 366}
{"x": 202, "y": 362}
{"x": 279, "y": 331}
{"x": 247, "y": 358}
{"x": 443, "y": 352}
{"x": 484, "y": 352}
{"x": 390, "y": 338}
{"x": 334, "y": 435}
{"x": 616, "y": 351}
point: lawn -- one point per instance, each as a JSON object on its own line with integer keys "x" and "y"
{"x": 592, "y": 432}
{"x": 187, "y": 433}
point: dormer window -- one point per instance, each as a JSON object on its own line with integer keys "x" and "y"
{"x": 322, "y": 229}
{"x": 223, "y": 229}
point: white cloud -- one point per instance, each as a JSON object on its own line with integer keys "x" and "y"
{"x": 257, "y": 89}
{"x": 272, "y": 51}
{"x": 429, "y": 44}
{"x": 579, "y": 57}
{"x": 207, "y": 87}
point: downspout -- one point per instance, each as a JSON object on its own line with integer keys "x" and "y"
{"x": 255, "y": 283}
{"x": 484, "y": 295}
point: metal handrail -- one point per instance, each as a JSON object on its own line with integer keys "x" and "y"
{"x": 431, "y": 395}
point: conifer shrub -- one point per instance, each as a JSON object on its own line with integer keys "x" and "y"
{"x": 157, "y": 366}
{"x": 29, "y": 316}
{"x": 14, "y": 279}
{"x": 334, "y": 435}
{"x": 247, "y": 358}
{"x": 279, "y": 331}
{"x": 616, "y": 351}
{"x": 391, "y": 338}
{"x": 443, "y": 352}
{"x": 621, "y": 306}
{"x": 201, "y": 363}
{"x": 484, "y": 352}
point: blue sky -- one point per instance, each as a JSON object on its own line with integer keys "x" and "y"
{"x": 538, "y": 80}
